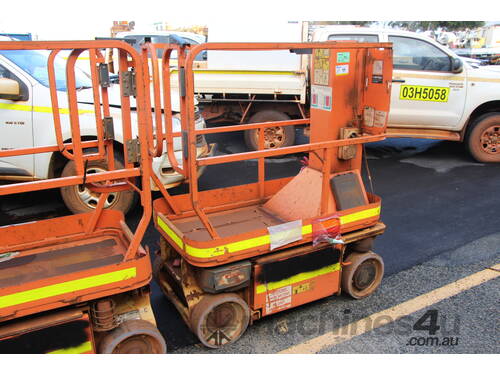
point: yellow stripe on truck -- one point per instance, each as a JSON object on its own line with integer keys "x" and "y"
{"x": 66, "y": 287}
{"x": 83, "y": 348}
{"x": 243, "y": 72}
{"x": 39, "y": 109}
{"x": 297, "y": 278}
{"x": 250, "y": 243}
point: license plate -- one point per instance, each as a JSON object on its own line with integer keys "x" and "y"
{"x": 425, "y": 93}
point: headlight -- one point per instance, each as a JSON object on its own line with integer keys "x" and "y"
{"x": 229, "y": 277}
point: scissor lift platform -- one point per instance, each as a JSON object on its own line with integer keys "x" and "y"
{"x": 232, "y": 255}
{"x": 244, "y": 231}
{"x": 61, "y": 263}
{"x": 79, "y": 283}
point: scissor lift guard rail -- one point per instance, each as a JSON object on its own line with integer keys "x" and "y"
{"x": 232, "y": 255}
{"x": 79, "y": 283}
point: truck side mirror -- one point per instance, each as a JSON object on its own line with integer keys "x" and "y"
{"x": 457, "y": 65}
{"x": 9, "y": 89}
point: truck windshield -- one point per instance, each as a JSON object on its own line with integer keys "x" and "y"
{"x": 34, "y": 62}
{"x": 140, "y": 39}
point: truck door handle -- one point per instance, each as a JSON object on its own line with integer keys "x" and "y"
{"x": 398, "y": 80}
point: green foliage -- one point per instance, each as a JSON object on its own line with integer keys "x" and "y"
{"x": 432, "y": 25}
{"x": 328, "y": 23}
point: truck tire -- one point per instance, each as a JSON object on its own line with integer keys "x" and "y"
{"x": 276, "y": 137}
{"x": 80, "y": 199}
{"x": 483, "y": 138}
{"x": 363, "y": 276}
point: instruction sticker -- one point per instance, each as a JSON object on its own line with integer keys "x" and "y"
{"x": 380, "y": 119}
{"x": 378, "y": 67}
{"x": 343, "y": 57}
{"x": 321, "y": 97}
{"x": 342, "y": 70}
{"x": 279, "y": 299}
{"x": 321, "y": 67}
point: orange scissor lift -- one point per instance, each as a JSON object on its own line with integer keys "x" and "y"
{"x": 232, "y": 255}
{"x": 79, "y": 283}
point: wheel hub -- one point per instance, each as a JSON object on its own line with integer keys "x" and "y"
{"x": 365, "y": 275}
{"x": 221, "y": 317}
{"x": 90, "y": 198}
{"x": 139, "y": 344}
{"x": 490, "y": 140}
{"x": 223, "y": 324}
{"x": 273, "y": 137}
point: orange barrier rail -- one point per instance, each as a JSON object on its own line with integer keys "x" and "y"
{"x": 189, "y": 133}
{"x": 114, "y": 179}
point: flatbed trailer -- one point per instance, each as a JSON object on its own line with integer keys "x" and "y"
{"x": 232, "y": 255}
{"x": 79, "y": 283}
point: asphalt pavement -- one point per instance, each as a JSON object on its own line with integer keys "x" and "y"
{"x": 441, "y": 211}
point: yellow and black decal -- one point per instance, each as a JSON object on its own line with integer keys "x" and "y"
{"x": 424, "y": 93}
{"x": 293, "y": 270}
{"x": 67, "y": 338}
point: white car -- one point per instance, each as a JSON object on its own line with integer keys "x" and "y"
{"x": 434, "y": 93}
{"x": 26, "y": 121}
{"x": 136, "y": 38}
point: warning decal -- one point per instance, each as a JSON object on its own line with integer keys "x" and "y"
{"x": 279, "y": 299}
{"x": 342, "y": 70}
{"x": 321, "y": 67}
{"x": 321, "y": 97}
{"x": 343, "y": 57}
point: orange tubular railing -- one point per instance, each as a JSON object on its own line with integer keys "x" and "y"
{"x": 114, "y": 179}
{"x": 190, "y": 160}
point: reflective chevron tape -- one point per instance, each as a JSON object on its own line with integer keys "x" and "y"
{"x": 83, "y": 348}
{"x": 361, "y": 215}
{"x": 250, "y": 243}
{"x": 66, "y": 287}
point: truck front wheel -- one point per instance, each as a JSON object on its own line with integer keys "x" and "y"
{"x": 274, "y": 137}
{"x": 80, "y": 199}
{"x": 483, "y": 138}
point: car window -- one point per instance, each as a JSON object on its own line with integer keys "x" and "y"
{"x": 139, "y": 40}
{"x": 414, "y": 54}
{"x": 34, "y": 62}
{"x": 363, "y": 38}
{"x": 5, "y": 73}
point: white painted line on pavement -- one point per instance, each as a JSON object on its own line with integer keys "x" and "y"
{"x": 411, "y": 306}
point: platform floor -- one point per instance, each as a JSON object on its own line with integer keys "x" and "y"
{"x": 228, "y": 223}
{"x": 61, "y": 259}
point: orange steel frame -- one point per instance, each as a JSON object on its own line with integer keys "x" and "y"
{"x": 48, "y": 235}
{"x": 202, "y": 203}
{"x": 74, "y": 149}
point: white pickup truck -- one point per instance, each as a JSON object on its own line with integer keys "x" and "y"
{"x": 435, "y": 94}
{"x": 26, "y": 121}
